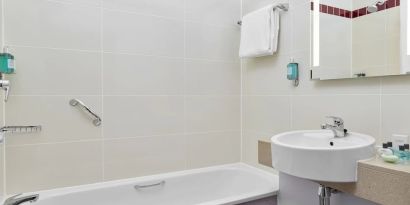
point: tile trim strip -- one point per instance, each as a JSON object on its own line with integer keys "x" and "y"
{"x": 355, "y": 13}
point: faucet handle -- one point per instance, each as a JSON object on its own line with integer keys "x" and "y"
{"x": 336, "y": 120}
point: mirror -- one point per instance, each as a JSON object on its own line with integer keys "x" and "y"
{"x": 359, "y": 38}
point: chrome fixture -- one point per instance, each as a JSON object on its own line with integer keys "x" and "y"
{"x": 96, "y": 119}
{"x": 283, "y": 7}
{"x": 337, "y": 127}
{"x": 324, "y": 194}
{"x": 17, "y": 200}
{"x": 374, "y": 8}
{"x": 18, "y": 129}
{"x": 138, "y": 187}
{"x": 5, "y": 85}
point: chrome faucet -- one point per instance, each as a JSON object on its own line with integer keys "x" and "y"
{"x": 16, "y": 200}
{"x": 337, "y": 127}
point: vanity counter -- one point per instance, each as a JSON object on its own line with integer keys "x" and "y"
{"x": 380, "y": 182}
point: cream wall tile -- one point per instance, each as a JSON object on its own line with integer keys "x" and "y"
{"x": 47, "y": 166}
{"x": 212, "y": 78}
{"x": 132, "y": 116}
{"x": 300, "y": 24}
{"x": 216, "y": 12}
{"x": 51, "y": 24}
{"x": 270, "y": 114}
{"x": 142, "y": 75}
{"x": 396, "y": 85}
{"x": 125, "y": 158}
{"x": 56, "y": 72}
{"x": 165, "y": 8}
{"x": 395, "y": 115}
{"x": 212, "y": 113}
{"x": 266, "y": 76}
{"x": 142, "y": 34}
{"x": 96, "y": 3}
{"x": 60, "y": 121}
{"x": 225, "y": 148}
{"x": 1, "y": 170}
{"x": 361, "y": 113}
{"x": 212, "y": 42}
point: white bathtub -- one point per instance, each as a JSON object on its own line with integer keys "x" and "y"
{"x": 229, "y": 184}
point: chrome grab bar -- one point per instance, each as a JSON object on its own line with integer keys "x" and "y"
{"x": 96, "y": 119}
{"x": 138, "y": 187}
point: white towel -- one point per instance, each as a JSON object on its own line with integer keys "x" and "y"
{"x": 260, "y": 32}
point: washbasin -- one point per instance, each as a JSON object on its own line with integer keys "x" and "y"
{"x": 318, "y": 155}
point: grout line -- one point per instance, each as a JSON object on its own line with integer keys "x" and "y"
{"x": 3, "y": 41}
{"x": 241, "y": 96}
{"x": 102, "y": 90}
{"x": 184, "y": 115}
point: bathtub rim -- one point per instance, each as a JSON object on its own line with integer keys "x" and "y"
{"x": 272, "y": 178}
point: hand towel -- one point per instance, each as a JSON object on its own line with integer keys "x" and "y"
{"x": 260, "y": 32}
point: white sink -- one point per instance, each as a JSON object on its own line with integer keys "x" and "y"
{"x": 318, "y": 155}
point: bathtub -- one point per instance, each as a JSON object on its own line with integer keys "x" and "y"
{"x": 228, "y": 184}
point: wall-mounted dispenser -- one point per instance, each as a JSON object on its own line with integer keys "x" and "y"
{"x": 293, "y": 72}
{"x": 7, "y": 65}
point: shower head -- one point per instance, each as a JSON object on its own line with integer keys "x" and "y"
{"x": 375, "y": 7}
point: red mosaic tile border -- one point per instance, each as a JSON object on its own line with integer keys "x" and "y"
{"x": 356, "y": 13}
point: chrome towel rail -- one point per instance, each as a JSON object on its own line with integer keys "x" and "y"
{"x": 96, "y": 119}
{"x": 283, "y": 7}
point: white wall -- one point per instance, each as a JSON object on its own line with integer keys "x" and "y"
{"x": 163, "y": 74}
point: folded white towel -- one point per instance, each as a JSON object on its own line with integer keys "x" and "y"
{"x": 260, "y": 32}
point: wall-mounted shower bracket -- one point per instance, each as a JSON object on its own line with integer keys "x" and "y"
{"x": 5, "y": 85}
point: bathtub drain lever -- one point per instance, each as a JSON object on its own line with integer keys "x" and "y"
{"x": 139, "y": 187}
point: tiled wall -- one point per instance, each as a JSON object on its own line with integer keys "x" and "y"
{"x": 163, "y": 74}
{"x": 375, "y": 106}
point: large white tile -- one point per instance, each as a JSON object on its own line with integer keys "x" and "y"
{"x": 1, "y": 170}
{"x": 126, "y": 158}
{"x": 133, "y": 33}
{"x": 212, "y": 78}
{"x": 301, "y": 26}
{"x": 52, "y": 24}
{"x": 95, "y": 3}
{"x": 48, "y": 166}
{"x": 361, "y": 113}
{"x": 266, "y": 76}
{"x": 270, "y": 114}
{"x": 143, "y": 116}
{"x": 216, "y": 12}
{"x": 212, "y": 42}
{"x": 60, "y": 121}
{"x": 212, "y": 113}
{"x": 165, "y": 8}
{"x": 396, "y": 84}
{"x": 56, "y": 72}
{"x": 210, "y": 149}
{"x": 142, "y": 75}
{"x": 395, "y": 115}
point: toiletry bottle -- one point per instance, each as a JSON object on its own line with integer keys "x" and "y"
{"x": 407, "y": 150}
{"x": 402, "y": 154}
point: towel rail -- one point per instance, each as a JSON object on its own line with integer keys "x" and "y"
{"x": 283, "y": 7}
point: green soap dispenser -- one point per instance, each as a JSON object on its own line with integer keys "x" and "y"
{"x": 7, "y": 65}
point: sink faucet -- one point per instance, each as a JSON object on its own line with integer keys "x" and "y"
{"x": 5, "y": 85}
{"x": 16, "y": 200}
{"x": 337, "y": 127}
